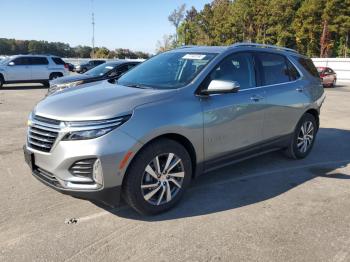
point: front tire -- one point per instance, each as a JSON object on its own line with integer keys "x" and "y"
{"x": 1, "y": 81}
{"x": 303, "y": 138}
{"x": 157, "y": 177}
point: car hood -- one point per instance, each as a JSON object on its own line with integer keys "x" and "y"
{"x": 69, "y": 79}
{"x": 95, "y": 102}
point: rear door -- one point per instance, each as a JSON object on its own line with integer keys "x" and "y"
{"x": 18, "y": 69}
{"x": 232, "y": 121}
{"x": 285, "y": 94}
{"x": 39, "y": 66}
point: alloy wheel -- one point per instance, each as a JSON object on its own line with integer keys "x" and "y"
{"x": 305, "y": 136}
{"x": 162, "y": 179}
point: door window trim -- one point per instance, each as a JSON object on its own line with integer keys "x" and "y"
{"x": 301, "y": 75}
{"x": 200, "y": 86}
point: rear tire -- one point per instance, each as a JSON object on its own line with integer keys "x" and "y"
{"x": 46, "y": 84}
{"x": 303, "y": 138}
{"x": 157, "y": 177}
{"x": 54, "y": 76}
{"x": 334, "y": 83}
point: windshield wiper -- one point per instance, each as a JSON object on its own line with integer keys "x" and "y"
{"x": 137, "y": 86}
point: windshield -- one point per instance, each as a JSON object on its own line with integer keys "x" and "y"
{"x": 100, "y": 70}
{"x": 167, "y": 71}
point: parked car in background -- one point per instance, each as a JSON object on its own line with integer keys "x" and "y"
{"x": 71, "y": 67}
{"x": 109, "y": 70}
{"x": 31, "y": 69}
{"x": 328, "y": 76}
{"x": 82, "y": 68}
{"x": 171, "y": 118}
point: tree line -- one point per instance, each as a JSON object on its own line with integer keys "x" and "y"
{"x": 14, "y": 47}
{"x": 313, "y": 27}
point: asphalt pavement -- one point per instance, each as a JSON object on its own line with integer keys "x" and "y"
{"x": 268, "y": 208}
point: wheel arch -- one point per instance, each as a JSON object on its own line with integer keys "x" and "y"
{"x": 315, "y": 114}
{"x": 55, "y": 73}
{"x": 182, "y": 140}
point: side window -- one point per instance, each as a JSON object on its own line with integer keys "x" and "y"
{"x": 293, "y": 72}
{"x": 58, "y": 61}
{"x": 273, "y": 68}
{"x": 131, "y": 66}
{"x": 122, "y": 69}
{"x": 237, "y": 67}
{"x": 20, "y": 61}
{"x": 38, "y": 61}
{"x": 308, "y": 66}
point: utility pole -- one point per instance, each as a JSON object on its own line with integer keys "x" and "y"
{"x": 93, "y": 29}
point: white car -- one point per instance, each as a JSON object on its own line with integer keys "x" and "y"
{"x": 31, "y": 69}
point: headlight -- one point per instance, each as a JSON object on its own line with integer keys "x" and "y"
{"x": 82, "y": 130}
{"x": 59, "y": 87}
{"x": 72, "y": 84}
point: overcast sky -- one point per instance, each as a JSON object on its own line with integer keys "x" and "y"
{"x": 133, "y": 24}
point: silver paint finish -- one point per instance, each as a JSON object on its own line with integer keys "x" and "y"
{"x": 213, "y": 125}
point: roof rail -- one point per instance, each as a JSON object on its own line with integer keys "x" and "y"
{"x": 186, "y": 46}
{"x": 264, "y": 46}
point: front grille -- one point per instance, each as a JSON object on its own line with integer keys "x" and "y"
{"x": 42, "y": 133}
{"x": 46, "y": 176}
{"x": 83, "y": 167}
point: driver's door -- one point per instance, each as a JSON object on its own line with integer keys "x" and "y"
{"x": 232, "y": 121}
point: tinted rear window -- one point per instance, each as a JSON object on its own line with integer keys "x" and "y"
{"x": 308, "y": 66}
{"x": 274, "y": 68}
{"x": 38, "y": 61}
{"x": 58, "y": 61}
{"x": 293, "y": 72}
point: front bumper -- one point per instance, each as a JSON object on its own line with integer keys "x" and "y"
{"x": 53, "y": 168}
{"x": 109, "y": 196}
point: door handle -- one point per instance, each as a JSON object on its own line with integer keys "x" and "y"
{"x": 256, "y": 98}
{"x": 299, "y": 89}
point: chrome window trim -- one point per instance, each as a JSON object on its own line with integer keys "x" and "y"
{"x": 301, "y": 75}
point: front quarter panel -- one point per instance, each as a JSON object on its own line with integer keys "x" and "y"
{"x": 181, "y": 115}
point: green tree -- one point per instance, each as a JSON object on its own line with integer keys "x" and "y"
{"x": 308, "y": 27}
{"x": 101, "y": 52}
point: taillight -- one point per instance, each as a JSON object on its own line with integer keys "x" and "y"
{"x": 66, "y": 66}
{"x": 322, "y": 75}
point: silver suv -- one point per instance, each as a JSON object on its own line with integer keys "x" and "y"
{"x": 31, "y": 69}
{"x": 172, "y": 118}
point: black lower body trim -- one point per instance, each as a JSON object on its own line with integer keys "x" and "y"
{"x": 108, "y": 196}
{"x": 248, "y": 152}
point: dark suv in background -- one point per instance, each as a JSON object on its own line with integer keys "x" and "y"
{"x": 106, "y": 71}
{"x": 82, "y": 68}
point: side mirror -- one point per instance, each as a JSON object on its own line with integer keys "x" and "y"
{"x": 11, "y": 63}
{"x": 221, "y": 87}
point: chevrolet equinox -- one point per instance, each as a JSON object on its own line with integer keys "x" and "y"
{"x": 177, "y": 115}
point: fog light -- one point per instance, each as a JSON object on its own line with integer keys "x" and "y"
{"x": 97, "y": 174}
